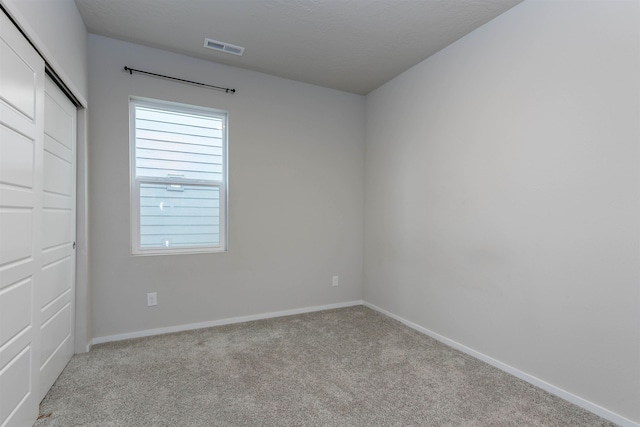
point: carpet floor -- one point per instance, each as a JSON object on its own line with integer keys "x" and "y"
{"x": 343, "y": 367}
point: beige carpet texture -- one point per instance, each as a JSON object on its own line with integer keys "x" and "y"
{"x": 343, "y": 367}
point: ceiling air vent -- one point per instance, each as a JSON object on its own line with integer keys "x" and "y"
{"x": 223, "y": 47}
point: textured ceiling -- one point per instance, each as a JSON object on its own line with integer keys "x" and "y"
{"x": 349, "y": 45}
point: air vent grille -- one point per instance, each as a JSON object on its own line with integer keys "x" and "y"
{"x": 223, "y": 47}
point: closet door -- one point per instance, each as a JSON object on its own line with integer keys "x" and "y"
{"x": 56, "y": 290}
{"x": 21, "y": 157}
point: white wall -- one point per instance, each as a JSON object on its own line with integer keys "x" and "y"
{"x": 502, "y": 199}
{"x": 57, "y": 29}
{"x": 296, "y": 170}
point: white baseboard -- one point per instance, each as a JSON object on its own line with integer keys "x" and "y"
{"x": 576, "y": 400}
{"x": 191, "y": 326}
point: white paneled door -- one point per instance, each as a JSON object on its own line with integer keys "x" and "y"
{"x": 21, "y": 153}
{"x": 56, "y": 289}
{"x": 37, "y": 229}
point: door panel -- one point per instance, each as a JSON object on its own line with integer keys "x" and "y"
{"x": 58, "y": 174}
{"x": 18, "y": 75}
{"x": 58, "y": 228}
{"x": 15, "y": 227}
{"x": 16, "y": 158}
{"x": 15, "y": 309}
{"x": 56, "y": 276}
{"x": 55, "y": 331}
{"x": 57, "y": 117}
{"x": 57, "y": 288}
{"x": 22, "y": 141}
{"x": 15, "y": 400}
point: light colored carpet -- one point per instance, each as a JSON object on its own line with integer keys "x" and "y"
{"x": 344, "y": 367}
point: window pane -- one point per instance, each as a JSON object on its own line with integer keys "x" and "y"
{"x": 179, "y": 215}
{"x": 179, "y": 169}
{"x": 170, "y": 143}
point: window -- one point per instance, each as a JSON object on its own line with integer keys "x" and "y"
{"x": 178, "y": 178}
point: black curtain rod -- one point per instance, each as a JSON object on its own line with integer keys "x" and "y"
{"x": 225, "y": 89}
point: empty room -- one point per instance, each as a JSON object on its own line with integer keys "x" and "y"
{"x": 319, "y": 213}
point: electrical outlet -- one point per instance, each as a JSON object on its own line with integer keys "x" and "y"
{"x": 152, "y": 299}
{"x": 335, "y": 281}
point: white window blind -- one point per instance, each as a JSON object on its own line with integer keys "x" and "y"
{"x": 178, "y": 178}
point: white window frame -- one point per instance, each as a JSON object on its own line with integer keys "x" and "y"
{"x": 135, "y": 181}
